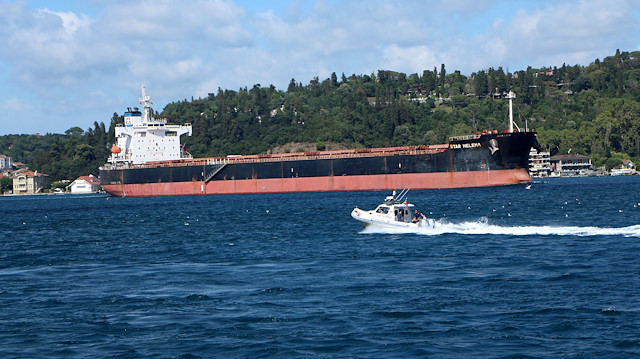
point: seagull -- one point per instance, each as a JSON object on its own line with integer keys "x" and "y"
{"x": 528, "y": 186}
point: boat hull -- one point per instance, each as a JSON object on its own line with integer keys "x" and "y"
{"x": 324, "y": 184}
{"x": 487, "y": 160}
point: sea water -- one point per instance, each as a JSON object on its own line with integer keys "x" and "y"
{"x": 549, "y": 271}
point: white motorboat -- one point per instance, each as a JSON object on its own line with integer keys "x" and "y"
{"x": 394, "y": 212}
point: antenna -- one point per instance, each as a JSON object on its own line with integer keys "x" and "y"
{"x": 402, "y": 194}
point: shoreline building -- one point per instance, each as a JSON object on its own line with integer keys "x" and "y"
{"x": 539, "y": 164}
{"x": 571, "y": 165}
{"x": 627, "y": 168}
{"x": 84, "y": 184}
{"x": 29, "y": 182}
{"x": 6, "y": 163}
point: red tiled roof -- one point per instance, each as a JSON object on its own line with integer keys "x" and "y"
{"x": 35, "y": 174}
{"x": 89, "y": 179}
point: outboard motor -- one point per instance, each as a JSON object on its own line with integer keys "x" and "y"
{"x": 427, "y": 222}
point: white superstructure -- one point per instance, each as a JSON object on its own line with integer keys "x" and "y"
{"x": 146, "y": 139}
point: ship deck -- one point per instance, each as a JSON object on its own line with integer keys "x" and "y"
{"x": 294, "y": 156}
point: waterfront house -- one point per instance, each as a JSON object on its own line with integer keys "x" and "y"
{"x": 539, "y": 163}
{"x": 29, "y": 182}
{"x": 627, "y": 168}
{"x": 85, "y": 184}
{"x": 571, "y": 165}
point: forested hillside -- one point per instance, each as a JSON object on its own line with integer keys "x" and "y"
{"x": 593, "y": 110}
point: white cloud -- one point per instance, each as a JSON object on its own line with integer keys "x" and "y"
{"x": 564, "y": 32}
{"x": 15, "y": 104}
{"x": 70, "y": 21}
{"x": 412, "y": 57}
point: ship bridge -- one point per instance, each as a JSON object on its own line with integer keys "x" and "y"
{"x": 144, "y": 138}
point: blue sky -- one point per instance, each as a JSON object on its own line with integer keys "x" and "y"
{"x": 71, "y": 63}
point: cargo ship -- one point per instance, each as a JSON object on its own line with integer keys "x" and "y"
{"x": 149, "y": 160}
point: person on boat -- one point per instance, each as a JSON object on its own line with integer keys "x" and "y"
{"x": 399, "y": 216}
{"x": 417, "y": 217}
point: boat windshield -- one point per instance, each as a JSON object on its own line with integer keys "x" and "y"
{"x": 383, "y": 210}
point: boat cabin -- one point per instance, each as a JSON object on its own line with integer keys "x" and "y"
{"x": 401, "y": 212}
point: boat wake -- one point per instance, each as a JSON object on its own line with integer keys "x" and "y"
{"x": 483, "y": 226}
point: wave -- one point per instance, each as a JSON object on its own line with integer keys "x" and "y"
{"x": 482, "y": 226}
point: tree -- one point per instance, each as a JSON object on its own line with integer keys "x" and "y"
{"x": 334, "y": 80}
{"x": 480, "y": 83}
{"x": 6, "y": 184}
{"x": 74, "y": 131}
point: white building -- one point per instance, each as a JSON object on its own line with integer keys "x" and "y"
{"x": 628, "y": 168}
{"x": 5, "y": 162}
{"x": 539, "y": 164}
{"x": 571, "y": 165}
{"x": 84, "y": 184}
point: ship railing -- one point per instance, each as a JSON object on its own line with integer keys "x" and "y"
{"x": 216, "y": 161}
{"x": 463, "y": 138}
{"x": 116, "y": 166}
{"x": 378, "y": 152}
{"x": 332, "y": 155}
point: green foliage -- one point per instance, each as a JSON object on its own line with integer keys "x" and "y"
{"x": 612, "y": 162}
{"x": 591, "y": 110}
{"x": 6, "y": 184}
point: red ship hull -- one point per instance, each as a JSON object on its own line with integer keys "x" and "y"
{"x": 439, "y": 180}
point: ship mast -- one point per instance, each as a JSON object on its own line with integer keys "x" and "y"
{"x": 146, "y": 100}
{"x": 511, "y": 96}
